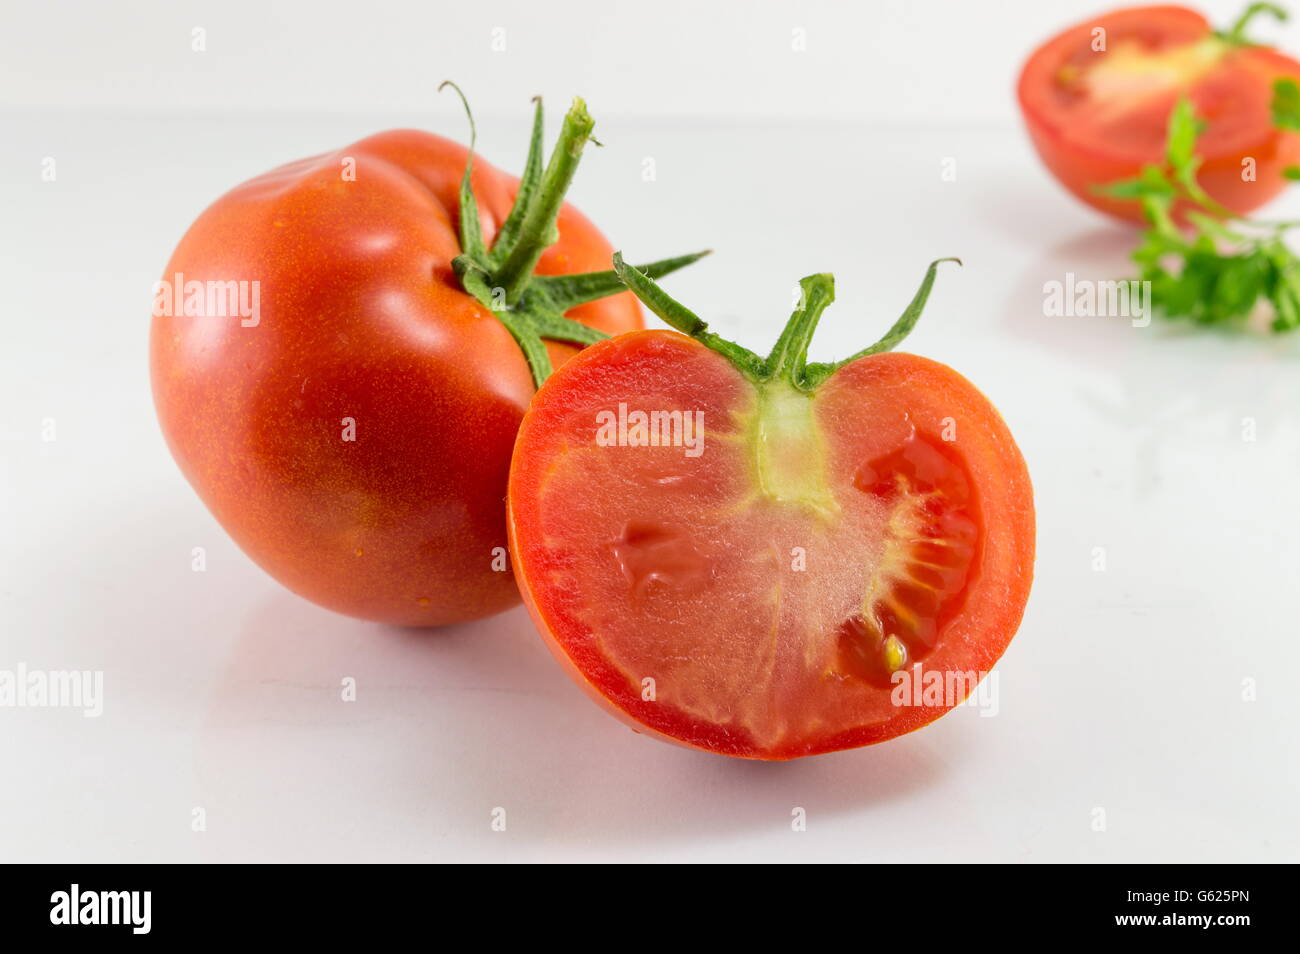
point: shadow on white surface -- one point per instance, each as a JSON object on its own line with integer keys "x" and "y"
{"x": 449, "y": 726}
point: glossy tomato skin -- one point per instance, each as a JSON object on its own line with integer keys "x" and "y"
{"x": 1085, "y": 146}
{"x": 611, "y": 622}
{"x": 354, "y": 439}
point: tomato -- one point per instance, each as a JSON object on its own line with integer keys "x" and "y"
{"x": 1096, "y": 100}
{"x": 350, "y": 424}
{"x": 764, "y": 559}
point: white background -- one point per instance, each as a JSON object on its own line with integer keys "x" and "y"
{"x": 1122, "y": 691}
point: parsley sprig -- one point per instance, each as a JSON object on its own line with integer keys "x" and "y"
{"x": 1223, "y": 267}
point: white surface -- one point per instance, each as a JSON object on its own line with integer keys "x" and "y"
{"x": 943, "y": 61}
{"x": 1123, "y": 690}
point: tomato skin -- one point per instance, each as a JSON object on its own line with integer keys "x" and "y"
{"x": 361, "y": 320}
{"x": 1084, "y": 150}
{"x": 874, "y": 399}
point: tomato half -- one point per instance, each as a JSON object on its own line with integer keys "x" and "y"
{"x": 761, "y": 587}
{"x": 354, "y": 436}
{"x": 1096, "y": 100}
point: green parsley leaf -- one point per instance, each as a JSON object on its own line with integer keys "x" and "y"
{"x": 1286, "y": 104}
{"x": 1220, "y": 267}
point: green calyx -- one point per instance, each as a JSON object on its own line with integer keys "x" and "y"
{"x": 532, "y": 307}
{"x": 788, "y": 361}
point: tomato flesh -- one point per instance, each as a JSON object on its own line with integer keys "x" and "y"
{"x": 930, "y": 543}
{"x": 1097, "y": 115}
{"x": 757, "y": 598}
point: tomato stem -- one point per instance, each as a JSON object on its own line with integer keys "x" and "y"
{"x": 529, "y": 183}
{"x": 532, "y": 307}
{"x": 589, "y": 286}
{"x": 790, "y": 354}
{"x": 1236, "y": 34}
{"x": 817, "y": 373}
{"x": 469, "y": 227}
{"x": 683, "y": 319}
{"x": 537, "y": 230}
{"x": 787, "y": 362}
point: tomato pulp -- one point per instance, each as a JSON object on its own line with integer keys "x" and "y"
{"x": 352, "y": 428}
{"x": 751, "y": 557}
{"x": 1097, "y": 98}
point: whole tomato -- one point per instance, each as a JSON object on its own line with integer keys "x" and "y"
{"x": 342, "y": 350}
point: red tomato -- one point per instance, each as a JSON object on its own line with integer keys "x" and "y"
{"x": 355, "y": 438}
{"x": 761, "y": 587}
{"x": 1097, "y": 116}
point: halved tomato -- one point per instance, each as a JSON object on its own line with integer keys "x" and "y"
{"x": 763, "y": 558}
{"x": 1096, "y": 100}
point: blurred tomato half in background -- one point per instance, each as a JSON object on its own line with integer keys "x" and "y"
{"x": 1097, "y": 98}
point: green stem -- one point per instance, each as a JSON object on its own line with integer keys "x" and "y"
{"x": 683, "y": 319}
{"x": 787, "y": 361}
{"x": 529, "y": 183}
{"x": 589, "y": 286}
{"x": 533, "y": 307}
{"x": 469, "y": 226}
{"x": 1236, "y": 34}
{"x": 790, "y": 353}
{"x": 537, "y": 231}
{"x": 906, "y": 321}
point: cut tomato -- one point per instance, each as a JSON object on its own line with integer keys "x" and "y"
{"x": 751, "y": 556}
{"x": 1097, "y": 98}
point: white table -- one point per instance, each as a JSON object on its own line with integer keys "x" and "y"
{"x": 1123, "y": 690}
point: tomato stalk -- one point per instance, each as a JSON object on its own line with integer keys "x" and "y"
{"x": 1236, "y": 34}
{"x": 788, "y": 448}
{"x": 532, "y": 307}
{"x": 537, "y": 228}
{"x": 787, "y": 361}
{"x": 790, "y": 354}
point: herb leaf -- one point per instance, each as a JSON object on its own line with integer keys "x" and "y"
{"x": 1286, "y": 104}
{"x": 1220, "y": 268}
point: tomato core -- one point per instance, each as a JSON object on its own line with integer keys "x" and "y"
{"x": 1133, "y": 71}
{"x": 788, "y": 449}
